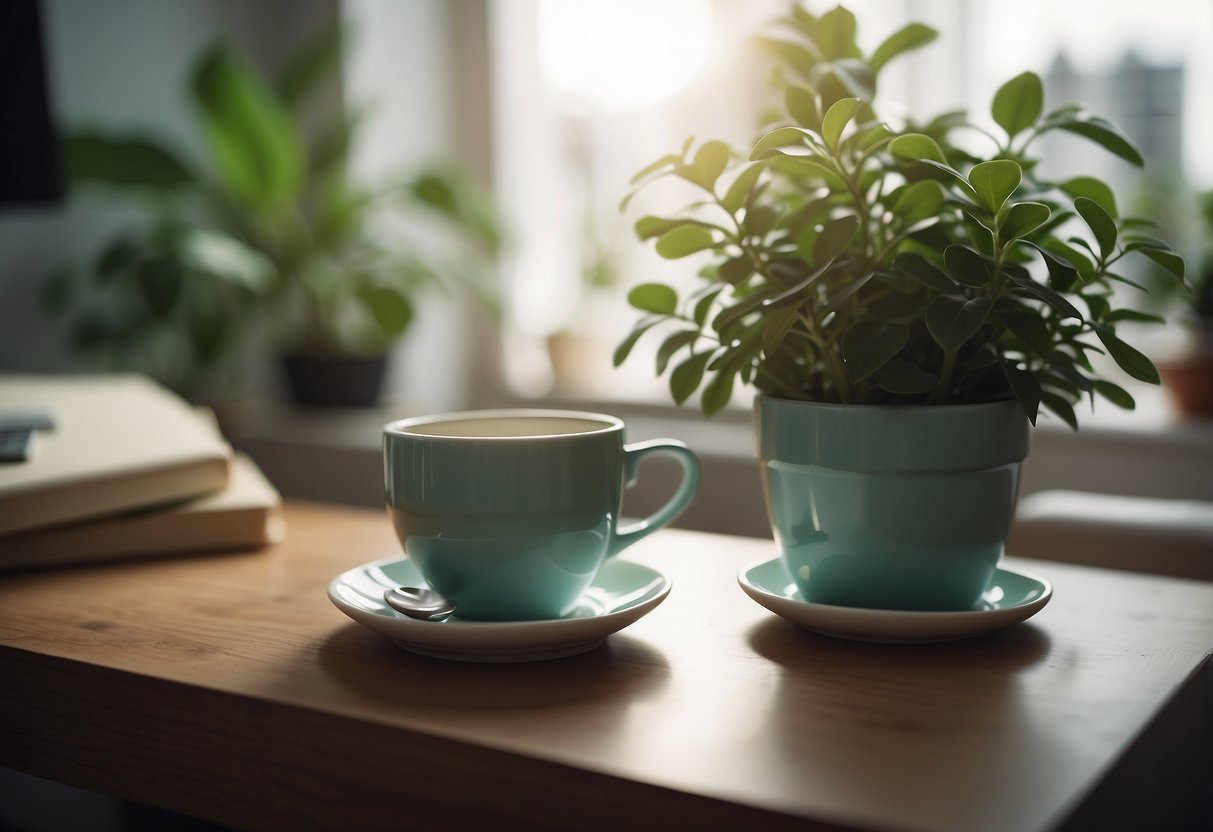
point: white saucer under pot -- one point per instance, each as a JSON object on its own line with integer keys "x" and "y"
{"x": 1012, "y": 596}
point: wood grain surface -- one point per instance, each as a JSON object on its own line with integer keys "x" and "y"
{"x": 229, "y": 687}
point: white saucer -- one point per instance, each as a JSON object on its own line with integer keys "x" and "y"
{"x": 622, "y": 593}
{"x": 1011, "y": 597}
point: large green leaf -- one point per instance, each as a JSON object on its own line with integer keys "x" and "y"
{"x": 835, "y": 34}
{"x": 710, "y": 161}
{"x": 966, "y": 266}
{"x": 801, "y": 104}
{"x": 625, "y": 346}
{"x": 770, "y": 143}
{"x": 952, "y": 320}
{"x": 1018, "y": 102}
{"x": 685, "y": 378}
{"x": 907, "y": 38}
{"x": 917, "y": 146}
{"x": 135, "y": 162}
{"x": 1100, "y": 131}
{"x": 836, "y": 120}
{"x": 994, "y": 182}
{"x": 672, "y": 344}
{"x": 869, "y": 344}
{"x": 717, "y": 392}
{"x": 254, "y": 142}
{"x": 1100, "y": 222}
{"x": 229, "y": 259}
{"x": 389, "y": 308}
{"x": 739, "y": 192}
{"x": 683, "y": 241}
{"x": 1091, "y": 188}
{"x": 1025, "y": 388}
{"x": 654, "y": 297}
{"x": 918, "y": 267}
{"x": 1023, "y": 218}
{"x": 1128, "y": 358}
{"x": 918, "y": 201}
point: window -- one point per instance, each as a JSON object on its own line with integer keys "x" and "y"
{"x": 585, "y": 94}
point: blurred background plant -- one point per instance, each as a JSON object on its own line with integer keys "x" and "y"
{"x": 267, "y": 236}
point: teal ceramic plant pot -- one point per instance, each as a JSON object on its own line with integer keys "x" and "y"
{"x": 891, "y": 507}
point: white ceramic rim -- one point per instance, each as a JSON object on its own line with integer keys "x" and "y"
{"x": 401, "y": 426}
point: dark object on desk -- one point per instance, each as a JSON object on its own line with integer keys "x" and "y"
{"x": 29, "y": 158}
{"x": 15, "y": 445}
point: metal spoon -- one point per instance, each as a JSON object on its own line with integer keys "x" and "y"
{"x": 416, "y": 602}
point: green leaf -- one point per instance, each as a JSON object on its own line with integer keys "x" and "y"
{"x": 670, "y": 160}
{"x": 718, "y": 392}
{"x": 1030, "y": 328}
{"x": 625, "y": 347}
{"x": 1024, "y": 387}
{"x": 389, "y": 308}
{"x": 229, "y": 259}
{"x": 1018, "y": 102}
{"x": 685, "y": 378}
{"x": 1102, "y": 133}
{"x": 919, "y": 268}
{"x": 953, "y": 320}
{"x": 1091, "y": 188}
{"x": 683, "y": 241}
{"x": 904, "y": 377}
{"x": 905, "y": 39}
{"x": 1023, "y": 218}
{"x": 134, "y": 162}
{"x": 869, "y": 344}
{"x": 704, "y": 305}
{"x": 1169, "y": 260}
{"x": 835, "y": 236}
{"x": 836, "y": 33}
{"x": 917, "y": 146}
{"x": 801, "y": 105}
{"x": 994, "y": 182}
{"x": 918, "y": 201}
{"x": 966, "y": 266}
{"x": 780, "y": 137}
{"x": 710, "y": 161}
{"x": 1115, "y": 394}
{"x": 1046, "y": 294}
{"x": 776, "y": 327}
{"x": 1129, "y": 359}
{"x": 739, "y": 192}
{"x": 654, "y": 297}
{"x": 672, "y": 344}
{"x": 1062, "y": 274}
{"x": 836, "y": 119}
{"x": 1059, "y": 406}
{"x": 735, "y": 270}
{"x": 1100, "y": 222}
{"x": 252, "y": 139}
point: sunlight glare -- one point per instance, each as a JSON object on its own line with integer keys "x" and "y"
{"x": 604, "y": 57}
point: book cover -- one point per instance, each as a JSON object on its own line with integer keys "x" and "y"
{"x": 244, "y": 515}
{"x": 119, "y": 442}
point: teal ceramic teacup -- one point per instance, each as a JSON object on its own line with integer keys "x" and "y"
{"x": 511, "y": 513}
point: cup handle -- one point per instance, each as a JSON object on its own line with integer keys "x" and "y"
{"x": 632, "y": 454}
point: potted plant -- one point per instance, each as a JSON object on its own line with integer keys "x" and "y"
{"x": 905, "y": 303}
{"x": 1188, "y": 376}
{"x": 269, "y": 225}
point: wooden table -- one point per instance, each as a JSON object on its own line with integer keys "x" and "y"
{"x": 228, "y": 687}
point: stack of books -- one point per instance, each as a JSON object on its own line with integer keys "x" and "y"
{"x": 114, "y": 467}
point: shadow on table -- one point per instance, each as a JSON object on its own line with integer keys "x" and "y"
{"x": 795, "y": 648}
{"x": 370, "y": 666}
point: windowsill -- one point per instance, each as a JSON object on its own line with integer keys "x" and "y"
{"x": 335, "y": 454}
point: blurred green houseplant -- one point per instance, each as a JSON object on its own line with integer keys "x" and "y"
{"x": 857, "y": 262}
{"x": 269, "y": 226}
